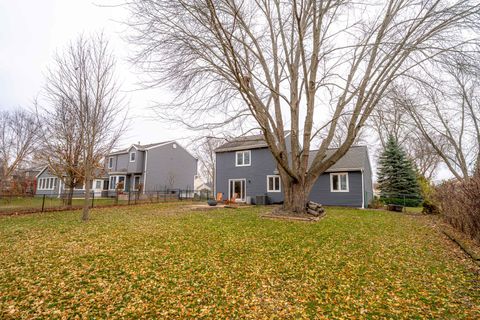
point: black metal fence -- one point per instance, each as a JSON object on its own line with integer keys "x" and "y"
{"x": 12, "y": 203}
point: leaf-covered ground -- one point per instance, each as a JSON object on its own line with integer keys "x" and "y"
{"x": 164, "y": 261}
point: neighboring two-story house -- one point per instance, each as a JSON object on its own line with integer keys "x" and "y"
{"x": 245, "y": 166}
{"x": 151, "y": 167}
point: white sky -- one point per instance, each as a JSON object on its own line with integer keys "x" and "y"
{"x": 32, "y": 30}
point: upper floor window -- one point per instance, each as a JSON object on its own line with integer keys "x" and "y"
{"x": 243, "y": 158}
{"x": 132, "y": 156}
{"x": 339, "y": 182}
{"x": 110, "y": 163}
{"x": 273, "y": 183}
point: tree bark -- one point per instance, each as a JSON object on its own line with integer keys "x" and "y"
{"x": 86, "y": 202}
{"x": 296, "y": 196}
{"x": 68, "y": 199}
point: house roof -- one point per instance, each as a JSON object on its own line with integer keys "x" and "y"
{"x": 242, "y": 143}
{"x": 140, "y": 147}
{"x": 355, "y": 159}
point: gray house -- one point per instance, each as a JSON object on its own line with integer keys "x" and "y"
{"x": 245, "y": 166}
{"x": 151, "y": 167}
{"x": 49, "y": 184}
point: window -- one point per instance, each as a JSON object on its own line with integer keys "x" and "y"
{"x": 273, "y": 183}
{"x": 98, "y": 184}
{"x": 110, "y": 163}
{"x": 339, "y": 182}
{"x": 115, "y": 181}
{"x": 136, "y": 183}
{"x": 242, "y": 158}
{"x": 46, "y": 183}
{"x": 132, "y": 156}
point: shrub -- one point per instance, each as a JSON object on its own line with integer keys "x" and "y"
{"x": 430, "y": 207}
{"x": 459, "y": 204}
{"x": 375, "y": 203}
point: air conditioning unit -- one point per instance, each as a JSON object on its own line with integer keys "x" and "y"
{"x": 261, "y": 200}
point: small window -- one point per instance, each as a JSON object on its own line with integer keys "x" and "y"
{"x": 98, "y": 184}
{"x": 273, "y": 183}
{"x": 132, "y": 156}
{"x": 110, "y": 163}
{"x": 242, "y": 158}
{"x": 339, "y": 182}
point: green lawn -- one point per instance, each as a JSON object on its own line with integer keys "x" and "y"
{"x": 165, "y": 261}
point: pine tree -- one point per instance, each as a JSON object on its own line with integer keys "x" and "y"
{"x": 396, "y": 176}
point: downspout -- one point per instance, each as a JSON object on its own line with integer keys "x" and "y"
{"x": 145, "y": 172}
{"x": 363, "y": 190}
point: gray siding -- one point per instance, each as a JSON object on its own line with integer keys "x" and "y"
{"x": 138, "y": 165}
{"x": 47, "y": 174}
{"x": 174, "y": 168}
{"x": 263, "y": 164}
{"x": 321, "y": 192}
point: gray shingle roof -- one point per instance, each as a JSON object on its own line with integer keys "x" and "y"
{"x": 355, "y": 158}
{"x": 140, "y": 147}
{"x": 242, "y": 143}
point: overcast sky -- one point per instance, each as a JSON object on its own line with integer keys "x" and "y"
{"x": 32, "y": 30}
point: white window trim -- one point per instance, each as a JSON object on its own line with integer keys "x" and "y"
{"x": 339, "y": 184}
{"x": 249, "y": 157}
{"x": 110, "y": 166}
{"x": 95, "y": 184}
{"x": 231, "y": 195}
{"x": 116, "y": 182}
{"x": 130, "y": 156}
{"x": 43, "y": 182}
{"x": 279, "y": 183}
{"x": 139, "y": 178}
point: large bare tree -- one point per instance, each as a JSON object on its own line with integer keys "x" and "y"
{"x": 291, "y": 65}
{"x": 82, "y": 88}
{"x": 18, "y": 138}
{"x": 446, "y": 112}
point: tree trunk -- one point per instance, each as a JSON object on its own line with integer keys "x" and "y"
{"x": 86, "y": 202}
{"x": 296, "y": 196}
{"x": 69, "y": 196}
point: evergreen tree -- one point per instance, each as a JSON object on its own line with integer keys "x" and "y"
{"x": 396, "y": 176}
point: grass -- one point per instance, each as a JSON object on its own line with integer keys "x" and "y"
{"x": 166, "y": 261}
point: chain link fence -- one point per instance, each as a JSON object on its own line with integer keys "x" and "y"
{"x": 12, "y": 203}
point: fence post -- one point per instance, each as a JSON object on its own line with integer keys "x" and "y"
{"x": 93, "y": 198}
{"x": 43, "y": 203}
{"x": 128, "y": 197}
{"x": 134, "y": 197}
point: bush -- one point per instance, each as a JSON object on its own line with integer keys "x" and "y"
{"x": 459, "y": 204}
{"x": 430, "y": 207}
{"x": 407, "y": 202}
{"x": 375, "y": 203}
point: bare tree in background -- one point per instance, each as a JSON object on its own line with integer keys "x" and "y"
{"x": 206, "y": 155}
{"x": 83, "y": 82}
{"x": 291, "y": 65}
{"x": 390, "y": 118}
{"x": 18, "y": 139}
{"x": 447, "y": 114}
{"x": 62, "y": 142}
